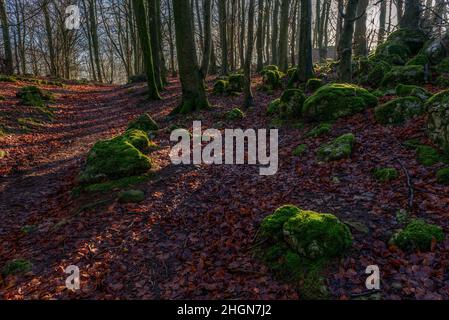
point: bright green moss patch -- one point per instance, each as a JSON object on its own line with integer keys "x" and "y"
{"x": 28, "y": 229}
{"x": 34, "y": 96}
{"x": 131, "y": 196}
{"x": 428, "y": 156}
{"x": 418, "y": 60}
{"x": 117, "y": 158}
{"x": 271, "y": 80}
{"x": 236, "y": 83}
{"x": 443, "y": 66}
{"x": 385, "y": 174}
{"x": 300, "y": 149}
{"x": 221, "y": 87}
{"x": 116, "y": 184}
{"x": 143, "y": 122}
{"x": 337, "y": 100}
{"x": 443, "y": 176}
{"x": 417, "y": 235}
{"x": 2, "y": 152}
{"x": 405, "y": 75}
{"x": 27, "y": 123}
{"x": 273, "y": 107}
{"x": 313, "y": 84}
{"x": 403, "y": 90}
{"x": 272, "y": 225}
{"x": 291, "y": 104}
{"x": 319, "y": 130}
{"x": 399, "y": 110}
{"x": 338, "y": 148}
{"x": 235, "y": 114}
{"x": 17, "y": 266}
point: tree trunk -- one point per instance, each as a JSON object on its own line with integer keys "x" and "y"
{"x": 411, "y": 17}
{"x": 305, "y": 67}
{"x": 51, "y": 49}
{"x": 340, "y": 7}
{"x": 382, "y": 21}
{"x": 360, "y": 42}
{"x": 274, "y": 35}
{"x": 294, "y": 35}
{"x": 9, "y": 67}
{"x": 154, "y": 39}
{"x": 399, "y": 9}
{"x": 248, "y": 100}
{"x": 170, "y": 40}
{"x": 207, "y": 6}
{"x": 283, "y": 36}
{"x": 142, "y": 30}
{"x": 193, "y": 91}
{"x": 260, "y": 40}
{"x": 345, "y": 68}
{"x": 223, "y": 35}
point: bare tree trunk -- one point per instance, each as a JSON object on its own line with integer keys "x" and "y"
{"x": 207, "y": 4}
{"x": 360, "y": 42}
{"x": 411, "y": 17}
{"x": 345, "y": 68}
{"x": 94, "y": 34}
{"x": 223, "y": 36}
{"x": 274, "y": 34}
{"x": 9, "y": 67}
{"x": 170, "y": 40}
{"x": 283, "y": 36}
{"x": 260, "y": 39}
{"x": 154, "y": 39}
{"x": 305, "y": 67}
{"x": 382, "y": 21}
{"x": 248, "y": 100}
{"x": 294, "y": 35}
{"x": 339, "y": 29}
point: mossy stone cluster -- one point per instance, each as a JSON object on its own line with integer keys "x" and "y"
{"x": 310, "y": 234}
{"x": 403, "y": 74}
{"x": 399, "y": 110}
{"x": 337, "y": 149}
{"x": 221, "y": 86}
{"x": 438, "y": 119}
{"x": 385, "y": 174}
{"x": 143, "y": 122}
{"x": 4, "y": 78}
{"x": 116, "y": 158}
{"x": 403, "y": 90}
{"x": 313, "y": 84}
{"x": 229, "y": 85}
{"x": 337, "y": 100}
{"x": 34, "y": 96}
{"x": 271, "y": 78}
{"x": 417, "y": 235}
{"x": 292, "y": 101}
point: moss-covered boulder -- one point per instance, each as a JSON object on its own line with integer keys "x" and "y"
{"x": 414, "y": 40}
{"x": 317, "y": 235}
{"x": 443, "y": 66}
{"x": 319, "y": 130}
{"x": 417, "y": 235}
{"x": 34, "y": 96}
{"x": 437, "y": 50}
{"x": 235, "y": 114}
{"x": 399, "y": 110}
{"x": 404, "y": 90}
{"x": 292, "y": 101}
{"x": 385, "y": 174}
{"x": 143, "y": 122}
{"x": 271, "y": 226}
{"x": 131, "y": 196}
{"x": 443, "y": 176}
{"x": 375, "y": 73}
{"x": 313, "y": 84}
{"x": 442, "y": 80}
{"x": 418, "y": 60}
{"x": 438, "y": 119}
{"x": 338, "y": 148}
{"x": 116, "y": 158}
{"x": 393, "y": 52}
{"x": 221, "y": 87}
{"x": 271, "y": 80}
{"x": 273, "y": 107}
{"x": 404, "y": 75}
{"x": 337, "y": 100}
{"x": 236, "y": 82}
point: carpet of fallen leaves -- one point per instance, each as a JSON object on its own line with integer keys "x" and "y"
{"x": 192, "y": 236}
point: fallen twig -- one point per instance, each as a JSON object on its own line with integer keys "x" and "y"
{"x": 409, "y": 184}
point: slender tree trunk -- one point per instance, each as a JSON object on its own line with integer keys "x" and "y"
{"x": 154, "y": 39}
{"x": 323, "y": 53}
{"x": 399, "y": 9}
{"x": 193, "y": 91}
{"x": 361, "y": 44}
{"x": 283, "y": 36}
{"x": 339, "y": 29}
{"x": 94, "y": 34}
{"x": 382, "y": 21}
{"x": 305, "y": 66}
{"x": 207, "y": 7}
{"x": 248, "y": 100}
{"x": 170, "y": 40}
{"x": 274, "y": 35}
{"x": 260, "y": 40}
{"x": 51, "y": 49}
{"x": 316, "y": 28}
{"x": 6, "y": 40}
{"x": 142, "y": 30}
{"x": 223, "y": 36}
{"x": 242, "y": 34}
{"x": 345, "y": 68}
{"x": 294, "y": 35}
{"x": 411, "y": 17}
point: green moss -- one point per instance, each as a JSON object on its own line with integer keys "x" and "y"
{"x": 418, "y": 60}
{"x": 337, "y": 100}
{"x": 393, "y": 52}
{"x": 313, "y": 84}
{"x": 402, "y": 216}
{"x": 412, "y": 144}
{"x": 17, "y": 266}
{"x": 270, "y": 67}
{"x": 414, "y": 40}
{"x": 235, "y": 114}
{"x": 443, "y": 66}
{"x": 292, "y": 101}
{"x": 131, "y": 196}
{"x": 221, "y": 87}
{"x": 4, "y": 78}
{"x": 428, "y": 156}
{"x": 375, "y": 75}
{"x": 438, "y": 120}
{"x": 319, "y": 130}
{"x": 443, "y": 176}
{"x": 116, "y": 184}
{"x": 405, "y": 75}
{"x": 143, "y": 122}
{"x": 272, "y": 225}
{"x": 117, "y": 158}
{"x": 2, "y": 152}
{"x": 300, "y": 149}
{"x": 317, "y": 235}
{"x": 28, "y": 229}
{"x": 399, "y": 110}
{"x": 2, "y": 98}
{"x": 236, "y": 82}
{"x": 417, "y": 235}
{"x": 271, "y": 80}
{"x": 273, "y": 107}
{"x": 27, "y": 123}
{"x": 403, "y": 90}
{"x": 338, "y": 148}
{"x": 442, "y": 80}
{"x": 34, "y": 96}
{"x": 385, "y": 174}
{"x": 291, "y": 72}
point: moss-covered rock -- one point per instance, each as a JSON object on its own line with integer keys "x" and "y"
{"x": 338, "y": 148}
{"x": 442, "y": 80}
{"x": 385, "y": 174}
{"x": 393, "y": 52}
{"x": 438, "y": 119}
{"x": 403, "y": 90}
{"x": 292, "y": 101}
{"x": 235, "y": 114}
{"x": 436, "y": 50}
{"x": 399, "y": 110}
{"x": 414, "y": 40}
{"x": 337, "y": 100}
{"x": 417, "y": 235}
{"x": 404, "y": 75}
{"x": 374, "y": 76}
{"x": 428, "y": 156}
{"x": 418, "y": 60}
{"x": 17, "y": 266}
{"x": 313, "y": 84}
{"x": 271, "y": 226}
{"x": 143, "y": 122}
{"x": 273, "y": 107}
{"x": 34, "y": 96}
{"x": 236, "y": 82}
{"x": 317, "y": 235}
{"x": 443, "y": 66}
{"x": 271, "y": 80}
{"x": 221, "y": 87}
{"x": 131, "y": 196}
{"x": 319, "y": 130}
{"x": 116, "y": 158}
{"x": 300, "y": 149}
{"x": 443, "y": 176}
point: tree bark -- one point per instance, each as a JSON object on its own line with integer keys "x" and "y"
{"x": 283, "y": 36}
{"x": 9, "y": 67}
{"x": 154, "y": 39}
{"x": 94, "y": 35}
{"x": 223, "y": 36}
{"x": 345, "y": 68}
{"x": 411, "y": 17}
{"x": 248, "y": 99}
{"x": 193, "y": 91}
{"x": 260, "y": 39}
{"x": 382, "y": 21}
{"x": 360, "y": 42}
{"x": 305, "y": 67}
{"x": 274, "y": 35}
{"x": 207, "y": 6}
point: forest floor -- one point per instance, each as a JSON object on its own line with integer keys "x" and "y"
{"x": 191, "y": 238}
